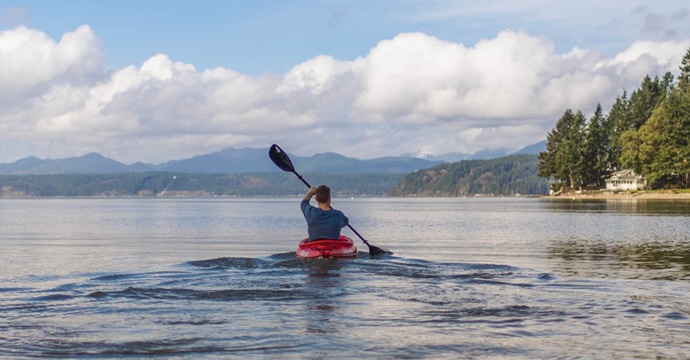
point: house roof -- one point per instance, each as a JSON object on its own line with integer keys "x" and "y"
{"x": 626, "y": 174}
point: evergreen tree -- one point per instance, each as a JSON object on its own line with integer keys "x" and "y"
{"x": 548, "y": 165}
{"x": 667, "y": 83}
{"x": 664, "y": 147}
{"x": 644, "y": 100}
{"x": 575, "y": 153}
{"x": 547, "y": 159}
{"x": 563, "y": 150}
{"x": 618, "y": 121}
{"x": 684, "y": 77}
{"x": 630, "y": 150}
{"x": 595, "y": 156}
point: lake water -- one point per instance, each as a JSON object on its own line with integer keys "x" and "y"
{"x": 497, "y": 278}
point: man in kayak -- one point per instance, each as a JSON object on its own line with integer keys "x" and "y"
{"x": 323, "y": 222}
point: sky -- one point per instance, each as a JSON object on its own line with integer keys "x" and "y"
{"x": 158, "y": 80}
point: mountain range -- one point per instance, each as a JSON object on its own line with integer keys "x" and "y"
{"x": 485, "y": 154}
{"x": 250, "y": 160}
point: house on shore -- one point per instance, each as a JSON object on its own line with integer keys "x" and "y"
{"x": 625, "y": 180}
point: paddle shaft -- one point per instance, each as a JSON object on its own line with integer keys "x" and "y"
{"x": 348, "y": 225}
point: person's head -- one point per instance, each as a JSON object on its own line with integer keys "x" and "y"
{"x": 323, "y": 194}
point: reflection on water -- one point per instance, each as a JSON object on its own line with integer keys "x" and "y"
{"x": 650, "y": 260}
{"x": 634, "y": 239}
{"x": 629, "y": 206}
{"x": 326, "y": 282}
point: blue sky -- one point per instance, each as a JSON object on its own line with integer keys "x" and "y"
{"x": 161, "y": 80}
{"x": 272, "y": 35}
{"x": 248, "y": 36}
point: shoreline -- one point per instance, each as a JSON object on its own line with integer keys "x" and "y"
{"x": 622, "y": 196}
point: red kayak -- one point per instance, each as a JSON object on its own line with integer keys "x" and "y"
{"x": 343, "y": 248}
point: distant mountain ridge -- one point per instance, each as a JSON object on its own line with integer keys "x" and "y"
{"x": 235, "y": 161}
{"x": 485, "y": 154}
{"x": 90, "y": 163}
{"x": 228, "y": 161}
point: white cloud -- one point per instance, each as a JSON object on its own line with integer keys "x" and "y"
{"x": 409, "y": 92}
{"x": 315, "y": 75}
{"x": 30, "y": 62}
{"x": 516, "y": 77}
{"x": 647, "y": 58}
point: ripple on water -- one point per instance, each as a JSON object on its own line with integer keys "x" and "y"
{"x": 288, "y": 307}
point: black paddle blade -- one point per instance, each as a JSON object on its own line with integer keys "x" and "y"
{"x": 280, "y": 158}
{"x": 377, "y": 251}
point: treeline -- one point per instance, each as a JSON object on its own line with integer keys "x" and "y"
{"x": 647, "y": 132}
{"x": 168, "y": 184}
{"x": 510, "y": 175}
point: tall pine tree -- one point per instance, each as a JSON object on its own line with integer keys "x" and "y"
{"x": 618, "y": 122}
{"x": 664, "y": 142}
{"x": 563, "y": 150}
{"x": 644, "y": 100}
{"x": 684, "y": 77}
{"x": 595, "y": 156}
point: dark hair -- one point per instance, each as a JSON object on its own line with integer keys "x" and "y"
{"x": 323, "y": 194}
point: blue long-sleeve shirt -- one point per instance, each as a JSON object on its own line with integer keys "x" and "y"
{"x": 323, "y": 224}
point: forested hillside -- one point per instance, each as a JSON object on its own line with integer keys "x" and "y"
{"x": 510, "y": 175}
{"x": 168, "y": 184}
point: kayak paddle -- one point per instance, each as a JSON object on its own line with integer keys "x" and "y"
{"x": 282, "y": 160}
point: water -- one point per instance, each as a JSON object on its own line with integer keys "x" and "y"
{"x": 483, "y": 278}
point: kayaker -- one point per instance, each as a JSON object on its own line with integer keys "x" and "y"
{"x": 323, "y": 222}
